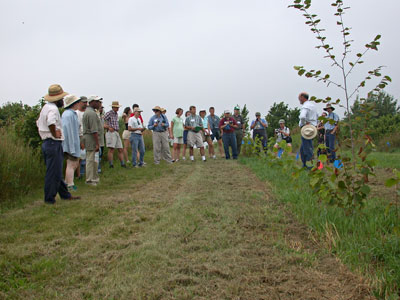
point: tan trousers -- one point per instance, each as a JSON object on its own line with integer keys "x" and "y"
{"x": 161, "y": 147}
{"x": 72, "y": 165}
{"x": 91, "y": 168}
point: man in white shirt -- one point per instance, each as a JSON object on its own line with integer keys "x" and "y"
{"x": 308, "y": 115}
{"x": 135, "y": 126}
{"x": 50, "y": 130}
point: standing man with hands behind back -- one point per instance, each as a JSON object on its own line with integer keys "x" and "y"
{"x": 91, "y": 128}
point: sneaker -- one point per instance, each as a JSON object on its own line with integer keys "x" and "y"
{"x": 144, "y": 163}
{"x": 127, "y": 162}
{"x": 176, "y": 160}
{"x": 214, "y": 157}
{"x": 72, "y": 188}
{"x": 111, "y": 166}
{"x": 184, "y": 158}
{"x": 91, "y": 183}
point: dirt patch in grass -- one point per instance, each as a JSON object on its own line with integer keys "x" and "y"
{"x": 201, "y": 231}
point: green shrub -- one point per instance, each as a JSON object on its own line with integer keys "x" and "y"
{"x": 22, "y": 168}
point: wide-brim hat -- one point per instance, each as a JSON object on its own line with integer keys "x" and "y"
{"x": 163, "y": 109}
{"x": 309, "y": 132}
{"x": 94, "y": 98}
{"x": 137, "y": 109}
{"x": 157, "y": 108}
{"x": 55, "y": 93}
{"x": 329, "y": 106}
{"x": 70, "y": 100}
{"x": 115, "y": 104}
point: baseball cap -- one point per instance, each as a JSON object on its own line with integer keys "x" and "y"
{"x": 237, "y": 107}
{"x": 227, "y": 111}
{"x": 94, "y": 98}
{"x": 258, "y": 114}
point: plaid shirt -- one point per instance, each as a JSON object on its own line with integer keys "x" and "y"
{"x": 111, "y": 118}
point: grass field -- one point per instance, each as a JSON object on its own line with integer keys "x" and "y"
{"x": 368, "y": 241}
{"x": 185, "y": 231}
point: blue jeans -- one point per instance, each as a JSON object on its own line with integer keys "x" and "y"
{"x": 330, "y": 144}
{"x": 306, "y": 150}
{"x": 137, "y": 144}
{"x": 229, "y": 139}
{"x": 53, "y": 182}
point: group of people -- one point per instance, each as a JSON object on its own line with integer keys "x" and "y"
{"x": 84, "y": 128}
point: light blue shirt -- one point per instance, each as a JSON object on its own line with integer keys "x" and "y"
{"x": 70, "y": 123}
{"x": 259, "y": 125}
{"x": 333, "y": 116}
{"x": 158, "y": 119}
{"x": 205, "y": 123}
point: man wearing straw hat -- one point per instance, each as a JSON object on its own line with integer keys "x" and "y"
{"x": 308, "y": 124}
{"x": 51, "y": 132}
{"x": 331, "y": 127}
{"x": 91, "y": 129}
{"x": 113, "y": 140}
{"x": 72, "y": 141}
{"x": 159, "y": 124}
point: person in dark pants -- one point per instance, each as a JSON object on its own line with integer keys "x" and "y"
{"x": 50, "y": 130}
{"x": 239, "y": 131}
{"x": 331, "y": 128}
{"x": 228, "y": 126}
{"x": 259, "y": 127}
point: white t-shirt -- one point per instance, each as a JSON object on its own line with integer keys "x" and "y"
{"x": 280, "y": 136}
{"x": 135, "y": 123}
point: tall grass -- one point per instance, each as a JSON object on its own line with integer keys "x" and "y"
{"x": 21, "y": 167}
{"x": 367, "y": 241}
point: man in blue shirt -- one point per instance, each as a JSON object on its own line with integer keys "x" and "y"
{"x": 159, "y": 124}
{"x": 331, "y": 127}
{"x": 259, "y": 127}
{"x": 71, "y": 143}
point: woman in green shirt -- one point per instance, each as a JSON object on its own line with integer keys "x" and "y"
{"x": 176, "y": 134}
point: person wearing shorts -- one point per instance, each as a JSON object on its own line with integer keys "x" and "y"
{"x": 126, "y": 134}
{"x": 113, "y": 140}
{"x": 176, "y": 134}
{"x": 185, "y": 134}
{"x": 194, "y": 124}
{"x": 207, "y": 134}
{"x": 213, "y": 120}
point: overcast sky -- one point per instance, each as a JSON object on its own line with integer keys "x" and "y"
{"x": 178, "y": 53}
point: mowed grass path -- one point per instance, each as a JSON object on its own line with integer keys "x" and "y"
{"x": 185, "y": 231}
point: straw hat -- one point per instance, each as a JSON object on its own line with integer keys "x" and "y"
{"x": 137, "y": 109}
{"x": 55, "y": 93}
{"x": 309, "y": 132}
{"x": 329, "y": 106}
{"x": 157, "y": 108}
{"x": 70, "y": 100}
{"x": 115, "y": 104}
{"x": 163, "y": 110}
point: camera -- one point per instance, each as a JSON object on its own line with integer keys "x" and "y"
{"x": 277, "y": 131}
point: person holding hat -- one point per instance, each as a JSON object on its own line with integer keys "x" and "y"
{"x": 239, "y": 131}
{"x": 72, "y": 142}
{"x": 206, "y": 133}
{"x": 159, "y": 124}
{"x": 308, "y": 124}
{"x": 331, "y": 127}
{"x": 113, "y": 140}
{"x": 282, "y": 133}
{"x": 91, "y": 130}
{"x": 259, "y": 127}
{"x": 50, "y": 130}
{"x": 136, "y": 128}
{"x": 228, "y": 125}
{"x": 194, "y": 125}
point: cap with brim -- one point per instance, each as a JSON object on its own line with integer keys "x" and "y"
{"x": 203, "y": 110}
{"x": 55, "y": 93}
{"x": 115, "y": 104}
{"x": 84, "y": 99}
{"x": 156, "y": 108}
{"x": 227, "y": 111}
{"x": 137, "y": 109}
{"x": 281, "y": 121}
{"x": 237, "y": 108}
{"x": 309, "y": 132}
{"x": 329, "y": 106}
{"x": 94, "y": 98}
{"x": 258, "y": 114}
{"x": 70, "y": 100}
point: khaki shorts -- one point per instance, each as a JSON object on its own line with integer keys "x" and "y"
{"x": 113, "y": 140}
{"x": 126, "y": 135}
{"x": 195, "y": 139}
{"x": 178, "y": 140}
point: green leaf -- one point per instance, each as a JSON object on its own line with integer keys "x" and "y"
{"x": 365, "y": 189}
{"x": 391, "y": 182}
{"x": 301, "y": 72}
{"x": 323, "y": 158}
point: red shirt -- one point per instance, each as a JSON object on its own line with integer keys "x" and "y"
{"x": 140, "y": 117}
{"x": 230, "y": 121}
